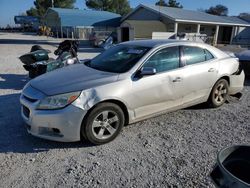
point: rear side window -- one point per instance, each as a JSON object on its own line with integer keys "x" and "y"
{"x": 193, "y": 55}
{"x": 208, "y": 55}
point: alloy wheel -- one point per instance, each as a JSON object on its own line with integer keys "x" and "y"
{"x": 105, "y": 124}
{"x": 220, "y": 93}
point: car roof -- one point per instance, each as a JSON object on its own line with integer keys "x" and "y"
{"x": 153, "y": 42}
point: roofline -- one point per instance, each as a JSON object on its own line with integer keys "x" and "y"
{"x": 180, "y": 20}
{"x": 55, "y": 10}
{"x": 160, "y": 42}
{"x": 127, "y": 15}
{"x": 214, "y": 23}
{"x": 146, "y": 7}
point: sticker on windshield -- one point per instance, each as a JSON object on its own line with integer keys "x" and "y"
{"x": 135, "y": 51}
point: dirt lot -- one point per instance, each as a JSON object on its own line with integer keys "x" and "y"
{"x": 177, "y": 149}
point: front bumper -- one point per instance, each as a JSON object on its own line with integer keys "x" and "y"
{"x": 62, "y": 125}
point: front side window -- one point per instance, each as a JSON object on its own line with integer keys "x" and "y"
{"x": 164, "y": 60}
{"x": 193, "y": 55}
{"x": 118, "y": 59}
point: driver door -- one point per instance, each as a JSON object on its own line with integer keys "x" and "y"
{"x": 163, "y": 90}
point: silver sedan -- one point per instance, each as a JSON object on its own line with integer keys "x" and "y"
{"x": 127, "y": 83}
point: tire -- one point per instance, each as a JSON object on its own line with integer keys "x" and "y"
{"x": 219, "y": 94}
{"x": 103, "y": 123}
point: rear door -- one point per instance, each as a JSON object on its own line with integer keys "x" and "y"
{"x": 201, "y": 70}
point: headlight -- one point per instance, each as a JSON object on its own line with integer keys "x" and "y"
{"x": 58, "y": 101}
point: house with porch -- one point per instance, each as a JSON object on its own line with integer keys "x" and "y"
{"x": 144, "y": 20}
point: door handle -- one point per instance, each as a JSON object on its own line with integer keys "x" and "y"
{"x": 211, "y": 70}
{"x": 177, "y": 79}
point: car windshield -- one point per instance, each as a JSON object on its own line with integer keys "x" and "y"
{"x": 118, "y": 59}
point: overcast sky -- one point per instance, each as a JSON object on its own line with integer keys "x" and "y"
{"x": 10, "y": 8}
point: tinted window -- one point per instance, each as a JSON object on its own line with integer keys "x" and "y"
{"x": 118, "y": 59}
{"x": 193, "y": 55}
{"x": 208, "y": 55}
{"x": 164, "y": 60}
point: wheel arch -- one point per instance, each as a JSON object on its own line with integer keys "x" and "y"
{"x": 225, "y": 77}
{"x": 121, "y": 105}
{"x": 209, "y": 100}
{"x": 114, "y": 101}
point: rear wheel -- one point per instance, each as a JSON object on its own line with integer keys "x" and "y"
{"x": 103, "y": 123}
{"x": 219, "y": 93}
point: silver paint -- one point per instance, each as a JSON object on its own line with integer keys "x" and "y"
{"x": 143, "y": 98}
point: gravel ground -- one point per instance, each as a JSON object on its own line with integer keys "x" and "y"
{"x": 177, "y": 149}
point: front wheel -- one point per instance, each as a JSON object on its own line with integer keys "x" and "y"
{"x": 103, "y": 123}
{"x": 219, "y": 93}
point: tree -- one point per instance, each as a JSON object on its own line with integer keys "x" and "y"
{"x": 41, "y": 6}
{"x": 117, "y": 6}
{"x": 121, "y": 7}
{"x": 219, "y": 10}
{"x": 245, "y": 16}
{"x": 171, "y": 3}
{"x": 161, "y": 3}
{"x": 32, "y": 12}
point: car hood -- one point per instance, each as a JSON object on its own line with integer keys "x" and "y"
{"x": 72, "y": 78}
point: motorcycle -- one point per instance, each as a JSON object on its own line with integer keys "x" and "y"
{"x": 37, "y": 61}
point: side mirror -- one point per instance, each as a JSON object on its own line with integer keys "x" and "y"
{"x": 146, "y": 71}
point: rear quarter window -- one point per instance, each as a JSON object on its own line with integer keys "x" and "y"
{"x": 208, "y": 54}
